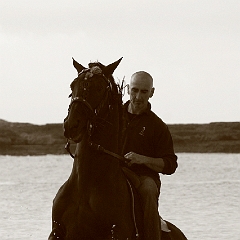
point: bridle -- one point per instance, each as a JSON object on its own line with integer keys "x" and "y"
{"x": 93, "y": 112}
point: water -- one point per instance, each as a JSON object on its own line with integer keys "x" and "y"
{"x": 202, "y": 198}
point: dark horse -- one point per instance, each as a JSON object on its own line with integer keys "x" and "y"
{"x": 96, "y": 202}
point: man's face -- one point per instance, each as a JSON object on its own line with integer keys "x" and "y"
{"x": 140, "y": 90}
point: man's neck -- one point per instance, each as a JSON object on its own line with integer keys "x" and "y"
{"x": 133, "y": 110}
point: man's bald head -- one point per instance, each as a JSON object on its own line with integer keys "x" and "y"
{"x": 146, "y": 77}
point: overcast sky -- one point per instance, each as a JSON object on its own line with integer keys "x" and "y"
{"x": 190, "y": 47}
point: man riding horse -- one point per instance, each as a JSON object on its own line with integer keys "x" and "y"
{"x": 97, "y": 201}
{"x": 147, "y": 143}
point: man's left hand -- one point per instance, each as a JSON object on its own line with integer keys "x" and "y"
{"x": 156, "y": 164}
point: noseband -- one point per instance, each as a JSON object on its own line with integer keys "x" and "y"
{"x": 80, "y": 100}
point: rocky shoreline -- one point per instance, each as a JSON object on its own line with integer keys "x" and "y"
{"x": 20, "y": 139}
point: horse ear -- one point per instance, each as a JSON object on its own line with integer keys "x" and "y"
{"x": 108, "y": 70}
{"x": 78, "y": 66}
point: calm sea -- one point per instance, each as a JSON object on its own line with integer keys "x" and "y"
{"x": 202, "y": 198}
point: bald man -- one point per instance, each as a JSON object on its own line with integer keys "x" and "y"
{"x": 147, "y": 143}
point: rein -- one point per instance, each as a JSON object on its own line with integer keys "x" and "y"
{"x": 97, "y": 148}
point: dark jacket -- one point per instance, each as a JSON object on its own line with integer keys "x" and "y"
{"x": 148, "y": 135}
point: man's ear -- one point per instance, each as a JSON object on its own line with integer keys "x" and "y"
{"x": 152, "y": 92}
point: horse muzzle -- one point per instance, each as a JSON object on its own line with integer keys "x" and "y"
{"x": 75, "y": 131}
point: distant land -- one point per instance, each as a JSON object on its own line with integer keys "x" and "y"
{"x": 29, "y": 139}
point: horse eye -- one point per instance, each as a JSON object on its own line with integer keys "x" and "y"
{"x": 70, "y": 95}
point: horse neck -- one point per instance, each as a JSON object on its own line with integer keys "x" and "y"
{"x": 91, "y": 164}
{"x": 107, "y": 131}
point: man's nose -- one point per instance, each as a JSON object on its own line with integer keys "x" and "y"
{"x": 138, "y": 95}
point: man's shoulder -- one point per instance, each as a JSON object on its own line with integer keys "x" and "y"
{"x": 157, "y": 119}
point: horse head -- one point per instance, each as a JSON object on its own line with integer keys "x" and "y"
{"x": 90, "y": 93}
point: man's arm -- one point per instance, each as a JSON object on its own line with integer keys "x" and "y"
{"x": 156, "y": 164}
